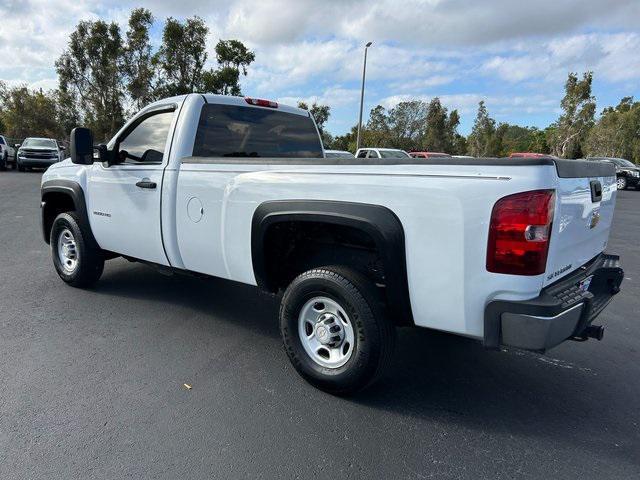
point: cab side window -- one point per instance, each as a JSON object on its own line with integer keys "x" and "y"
{"x": 146, "y": 142}
{"x": 362, "y": 154}
{"x": 373, "y": 154}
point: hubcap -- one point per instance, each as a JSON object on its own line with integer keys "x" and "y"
{"x": 67, "y": 251}
{"x": 621, "y": 183}
{"x": 326, "y": 332}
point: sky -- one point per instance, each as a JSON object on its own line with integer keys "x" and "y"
{"x": 513, "y": 54}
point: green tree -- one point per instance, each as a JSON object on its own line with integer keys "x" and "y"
{"x": 617, "y": 132}
{"x": 27, "y": 113}
{"x": 441, "y": 131}
{"x": 320, "y": 114}
{"x": 68, "y": 114}
{"x": 181, "y": 58}
{"x": 436, "y": 136}
{"x": 578, "y": 111}
{"x": 233, "y": 60}
{"x": 514, "y": 138}
{"x": 137, "y": 59}
{"x": 483, "y": 141}
{"x": 91, "y": 68}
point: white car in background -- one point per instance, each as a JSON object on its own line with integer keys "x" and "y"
{"x": 338, "y": 154}
{"x": 7, "y": 154}
{"x": 381, "y": 153}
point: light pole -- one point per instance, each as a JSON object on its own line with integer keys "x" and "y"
{"x": 364, "y": 72}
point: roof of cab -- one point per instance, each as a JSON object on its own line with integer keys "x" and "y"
{"x": 242, "y": 102}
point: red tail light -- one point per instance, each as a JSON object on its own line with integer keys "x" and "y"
{"x": 519, "y": 233}
{"x": 259, "y": 102}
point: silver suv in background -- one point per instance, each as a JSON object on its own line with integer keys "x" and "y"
{"x": 38, "y": 153}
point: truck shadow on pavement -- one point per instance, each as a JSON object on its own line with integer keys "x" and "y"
{"x": 434, "y": 376}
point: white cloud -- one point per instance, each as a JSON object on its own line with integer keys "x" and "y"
{"x": 611, "y": 56}
{"x": 336, "y": 97}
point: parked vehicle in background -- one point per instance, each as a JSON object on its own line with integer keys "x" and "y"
{"x": 338, "y": 154}
{"x": 38, "y": 153}
{"x": 381, "y": 153}
{"x": 509, "y": 252}
{"x": 7, "y": 154}
{"x": 429, "y": 155}
{"x": 627, "y": 173}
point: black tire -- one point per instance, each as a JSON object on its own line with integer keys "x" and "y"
{"x": 3, "y": 163}
{"x": 20, "y": 167}
{"x": 90, "y": 260}
{"x": 621, "y": 183}
{"x": 374, "y": 334}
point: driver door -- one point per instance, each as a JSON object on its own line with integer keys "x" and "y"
{"x": 124, "y": 199}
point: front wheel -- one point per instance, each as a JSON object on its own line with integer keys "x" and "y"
{"x": 621, "y": 183}
{"x": 335, "y": 330}
{"x": 20, "y": 167}
{"x": 3, "y": 162}
{"x": 77, "y": 262}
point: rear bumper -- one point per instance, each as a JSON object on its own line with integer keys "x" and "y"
{"x": 563, "y": 309}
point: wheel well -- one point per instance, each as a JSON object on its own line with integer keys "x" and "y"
{"x": 54, "y": 203}
{"x": 293, "y": 247}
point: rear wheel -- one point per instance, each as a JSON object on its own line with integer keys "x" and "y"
{"x": 622, "y": 183}
{"x": 3, "y": 162}
{"x": 335, "y": 330}
{"x": 77, "y": 262}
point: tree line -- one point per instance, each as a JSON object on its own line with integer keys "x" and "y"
{"x": 420, "y": 126}
{"x": 105, "y": 75}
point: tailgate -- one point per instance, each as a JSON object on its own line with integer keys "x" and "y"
{"x": 582, "y": 219}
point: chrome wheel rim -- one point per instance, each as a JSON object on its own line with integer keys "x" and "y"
{"x": 67, "y": 251}
{"x": 326, "y": 332}
{"x": 620, "y": 183}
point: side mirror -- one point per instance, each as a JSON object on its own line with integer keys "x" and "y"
{"x": 81, "y": 146}
{"x": 16, "y": 146}
{"x": 63, "y": 148}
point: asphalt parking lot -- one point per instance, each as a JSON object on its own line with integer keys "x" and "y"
{"x": 91, "y": 383}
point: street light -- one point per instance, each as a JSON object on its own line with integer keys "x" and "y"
{"x": 364, "y": 72}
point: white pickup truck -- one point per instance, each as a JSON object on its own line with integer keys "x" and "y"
{"x": 507, "y": 251}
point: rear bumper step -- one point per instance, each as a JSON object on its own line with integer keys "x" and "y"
{"x": 563, "y": 310}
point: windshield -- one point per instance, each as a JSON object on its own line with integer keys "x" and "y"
{"x": 40, "y": 142}
{"x": 234, "y": 131}
{"x": 621, "y": 162}
{"x": 394, "y": 154}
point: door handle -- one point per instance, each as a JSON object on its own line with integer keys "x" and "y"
{"x": 146, "y": 183}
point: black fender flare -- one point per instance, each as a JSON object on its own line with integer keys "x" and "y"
{"x": 74, "y": 191}
{"x": 379, "y": 222}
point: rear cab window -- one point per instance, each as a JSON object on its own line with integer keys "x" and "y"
{"x": 239, "y": 131}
